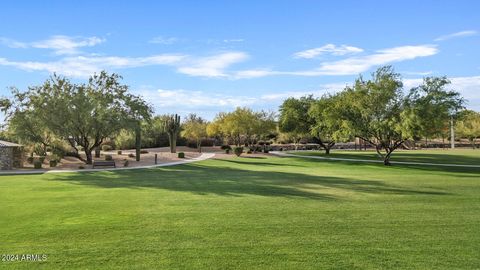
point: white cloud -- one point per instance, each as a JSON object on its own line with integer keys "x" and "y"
{"x": 233, "y": 40}
{"x": 60, "y": 44}
{"x": 212, "y": 66}
{"x": 466, "y": 33}
{"x": 356, "y": 65}
{"x": 164, "y": 40}
{"x": 66, "y": 44}
{"x": 83, "y": 66}
{"x": 12, "y": 43}
{"x": 253, "y": 73}
{"x": 328, "y": 49}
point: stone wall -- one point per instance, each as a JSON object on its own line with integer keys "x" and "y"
{"x": 18, "y": 157}
{"x": 6, "y": 158}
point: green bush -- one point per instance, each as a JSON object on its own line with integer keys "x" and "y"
{"x": 119, "y": 152}
{"x": 265, "y": 151}
{"x": 108, "y": 157}
{"x": 41, "y": 159}
{"x": 181, "y": 155}
{"x": 226, "y": 147}
{"x": 53, "y": 163}
{"x": 37, "y": 164}
{"x": 106, "y": 147}
{"x": 143, "y": 152}
{"x": 227, "y": 151}
{"x": 238, "y": 151}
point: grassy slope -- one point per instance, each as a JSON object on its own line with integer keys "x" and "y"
{"x": 246, "y": 213}
{"x": 457, "y": 156}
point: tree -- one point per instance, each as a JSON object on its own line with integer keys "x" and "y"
{"x": 195, "y": 129}
{"x": 326, "y": 121}
{"x": 172, "y": 127}
{"x": 429, "y": 107}
{"x": 83, "y": 114}
{"x": 372, "y": 109}
{"x": 294, "y": 117}
{"x": 242, "y": 125}
{"x": 468, "y": 126}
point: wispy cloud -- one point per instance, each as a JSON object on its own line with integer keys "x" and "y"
{"x": 164, "y": 40}
{"x": 328, "y": 49}
{"x": 59, "y": 44}
{"x": 233, "y": 40}
{"x": 351, "y": 65}
{"x": 84, "y": 66}
{"x": 212, "y": 66}
{"x": 466, "y": 33}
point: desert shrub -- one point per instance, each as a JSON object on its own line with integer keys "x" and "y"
{"x": 30, "y": 160}
{"x": 227, "y": 151}
{"x": 56, "y": 158}
{"x": 181, "y": 155}
{"x": 108, "y": 157}
{"x": 249, "y": 151}
{"x": 125, "y": 163}
{"x": 225, "y": 147}
{"x": 131, "y": 155}
{"x": 143, "y": 151}
{"x": 106, "y": 147}
{"x": 119, "y": 152}
{"x": 125, "y": 139}
{"x": 265, "y": 150}
{"x": 81, "y": 167}
{"x": 37, "y": 164}
{"x": 238, "y": 151}
{"x": 53, "y": 163}
{"x": 39, "y": 150}
{"x": 41, "y": 159}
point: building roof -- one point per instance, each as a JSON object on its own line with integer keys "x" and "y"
{"x": 9, "y": 144}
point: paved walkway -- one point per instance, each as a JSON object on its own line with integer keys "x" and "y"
{"x": 204, "y": 156}
{"x": 283, "y": 154}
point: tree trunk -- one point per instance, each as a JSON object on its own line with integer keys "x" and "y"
{"x": 88, "y": 153}
{"x": 173, "y": 145}
{"x": 138, "y": 141}
{"x": 327, "y": 151}
{"x": 97, "y": 152}
{"x": 199, "y": 146}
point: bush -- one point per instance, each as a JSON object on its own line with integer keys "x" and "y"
{"x": 265, "y": 151}
{"x": 226, "y": 147}
{"x": 56, "y": 158}
{"x": 108, "y": 157}
{"x": 41, "y": 159}
{"x": 181, "y": 155}
{"x": 238, "y": 151}
{"x": 119, "y": 152}
{"x": 106, "y": 147}
{"x": 143, "y": 152}
{"x": 227, "y": 151}
{"x": 125, "y": 163}
{"x": 249, "y": 151}
{"x": 37, "y": 164}
{"x": 30, "y": 160}
{"x": 81, "y": 167}
{"x": 53, "y": 163}
{"x": 131, "y": 155}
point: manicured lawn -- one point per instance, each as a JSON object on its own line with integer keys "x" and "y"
{"x": 448, "y": 156}
{"x": 247, "y": 213}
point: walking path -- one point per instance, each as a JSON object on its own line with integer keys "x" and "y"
{"x": 283, "y": 154}
{"x": 204, "y": 156}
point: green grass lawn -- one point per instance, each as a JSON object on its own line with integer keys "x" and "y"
{"x": 248, "y": 213}
{"x": 448, "y": 156}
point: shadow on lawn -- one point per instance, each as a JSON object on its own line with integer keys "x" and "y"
{"x": 224, "y": 180}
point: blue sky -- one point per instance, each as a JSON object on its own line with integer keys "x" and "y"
{"x": 211, "y": 56}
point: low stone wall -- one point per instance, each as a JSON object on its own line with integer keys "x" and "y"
{"x": 6, "y": 158}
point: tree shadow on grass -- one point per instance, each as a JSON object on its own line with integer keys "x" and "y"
{"x": 456, "y": 171}
{"x": 224, "y": 180}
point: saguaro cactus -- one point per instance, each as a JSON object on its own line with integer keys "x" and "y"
{"x": 172, "y": 127}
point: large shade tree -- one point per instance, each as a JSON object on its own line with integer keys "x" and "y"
{"x": 468, "y": 126}
{"x": 294, "y": 118}
{"x": 372, "y": 111}
{"x": 84, "y": 114}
